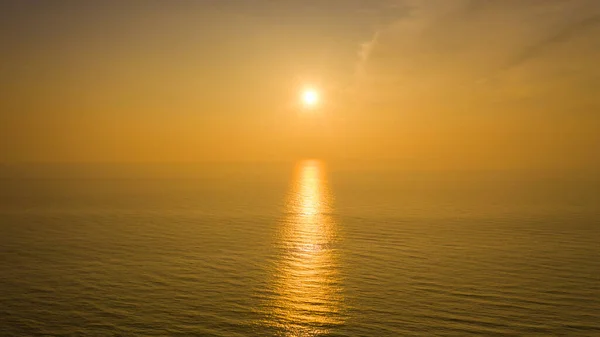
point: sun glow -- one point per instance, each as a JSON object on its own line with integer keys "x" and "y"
{"x": 310, "y": 98}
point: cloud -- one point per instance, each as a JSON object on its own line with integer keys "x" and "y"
{"x": 485, "y": 51}
{"x": 561, "y": 35}
{"x": 476, "y": 83}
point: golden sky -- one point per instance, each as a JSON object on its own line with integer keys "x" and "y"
{"x": 418, "y": 83}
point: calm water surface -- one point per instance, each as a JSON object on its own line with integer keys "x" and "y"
{"x": 304, "y": 250}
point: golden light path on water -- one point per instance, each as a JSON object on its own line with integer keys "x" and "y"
{"x": 308, "y": 299}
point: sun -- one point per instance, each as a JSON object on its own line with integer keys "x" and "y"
{"x": 310, "y": 98}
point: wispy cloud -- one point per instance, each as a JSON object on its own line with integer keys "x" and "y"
{"x": 452, "y": 48}
{"x": 556, "y": 37}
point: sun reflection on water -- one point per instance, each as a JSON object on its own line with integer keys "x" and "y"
{"x": 307, "y": 297}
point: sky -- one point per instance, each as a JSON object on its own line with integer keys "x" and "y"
{"x": 443, "y": 84}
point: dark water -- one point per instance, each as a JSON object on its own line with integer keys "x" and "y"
{"x": 301, "y": 251}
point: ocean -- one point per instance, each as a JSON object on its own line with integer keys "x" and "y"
{"x": 302, "y": 249}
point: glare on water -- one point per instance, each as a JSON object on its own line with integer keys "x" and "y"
{"x": 306, "y": 284}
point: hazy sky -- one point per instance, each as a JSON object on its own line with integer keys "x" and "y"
{"x": 421, "y": 83}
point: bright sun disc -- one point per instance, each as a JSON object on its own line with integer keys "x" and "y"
{"x": 310, "y": 97}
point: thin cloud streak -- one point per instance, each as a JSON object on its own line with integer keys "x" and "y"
{"x": 440, "y": 42}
